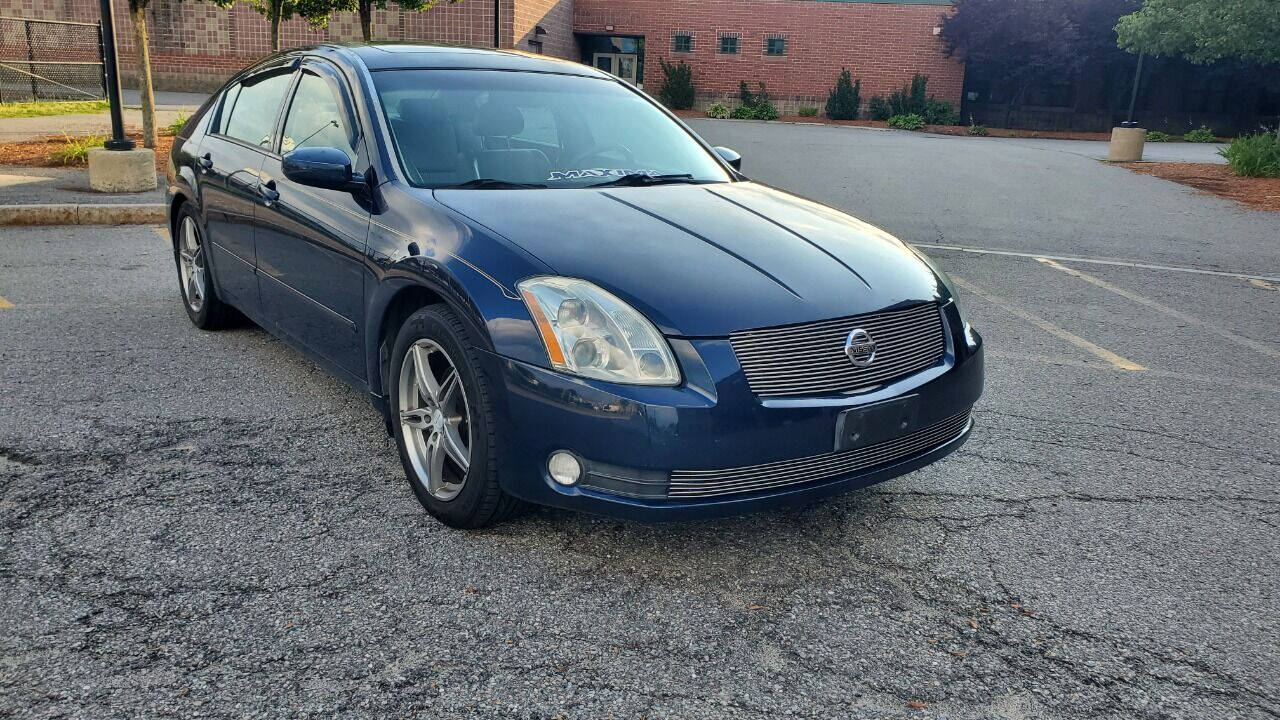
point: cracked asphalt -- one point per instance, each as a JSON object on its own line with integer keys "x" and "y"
{"x": 207, "y": 525}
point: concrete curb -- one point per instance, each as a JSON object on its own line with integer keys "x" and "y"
{"x": 84, "y": 214}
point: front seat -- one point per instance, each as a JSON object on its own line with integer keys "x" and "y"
{"x": 429, "y": 142}
{"x": 496, "y": 125}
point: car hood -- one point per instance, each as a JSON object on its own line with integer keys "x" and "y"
{"x": 708, "y": 260}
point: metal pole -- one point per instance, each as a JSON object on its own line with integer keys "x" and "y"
{"x": 111, "y": 74}
{"x": 31, "y": 56}
{"x": 1133, "y": 97}
{"x": 497, "y": 25}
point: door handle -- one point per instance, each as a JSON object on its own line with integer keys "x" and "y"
{"x": 268, "y": 192}
{"x": 205, "y": 162}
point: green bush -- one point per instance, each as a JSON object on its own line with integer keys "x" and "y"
{"x": 718, "y": 111}
{"x": 910, "y": 99}
{"x": 1157, "y": 136}
{"x": 844, "y": 100}
{"x": 978, "y": 130}
{"x": 1201, "y": 134}
{"x": 909, "y": 121}
{"x": 878, "y": 108}
{"x": 807, "y": 111}
{"x": 677, "y": 85}
{"x": 754, "y": 106}
{"x": 940, "y": 112}
{"x": 1254, "y": 155}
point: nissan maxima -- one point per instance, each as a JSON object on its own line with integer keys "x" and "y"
{"x": 555, "y": 292}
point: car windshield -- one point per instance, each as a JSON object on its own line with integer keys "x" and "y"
{"x": 493, "y": 129}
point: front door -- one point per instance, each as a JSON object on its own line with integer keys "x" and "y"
{"x": 621, "y": 64}
{"x": 311, "y": 240}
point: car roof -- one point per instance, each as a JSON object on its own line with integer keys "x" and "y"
{"x": 384, "y": 56}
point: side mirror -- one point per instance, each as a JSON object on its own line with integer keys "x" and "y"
{"x": 322, "y": 167}
{"x": 729, "y": 156}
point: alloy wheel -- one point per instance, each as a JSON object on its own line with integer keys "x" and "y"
{"x": 191, "y": 263}
{"x": 435, "y": 421}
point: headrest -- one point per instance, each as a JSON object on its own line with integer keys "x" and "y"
{"x": 499, "y": 120}
{"x": 423, "y": 110}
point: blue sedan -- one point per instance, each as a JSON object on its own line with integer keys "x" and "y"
{"x": 556, "y": 293}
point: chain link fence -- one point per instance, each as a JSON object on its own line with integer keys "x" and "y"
{"x": 50, "y": 60}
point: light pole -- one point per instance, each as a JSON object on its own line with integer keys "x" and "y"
{"x": 111, "y": 74}
{"x": 1133, "y": 97}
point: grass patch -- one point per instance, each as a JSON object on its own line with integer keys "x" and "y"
{"x": 49, "y": 107}
{"x": 75, "y": 151}
{"x": 1255, "y": 156}
{"x": 176, "y": 126}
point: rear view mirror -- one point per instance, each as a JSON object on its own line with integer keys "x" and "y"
{"x": 322, "y": 167}
{"x": 729, "y": 156}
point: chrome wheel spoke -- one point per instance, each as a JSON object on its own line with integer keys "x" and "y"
{"x": 449, "y": 389}
{"x": 454, "y": 446}
{"x": 427, "y": 385}
{"x": 435, "y": 462}
{"x": 191, "y": 264}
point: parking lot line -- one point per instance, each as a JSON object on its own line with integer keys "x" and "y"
{"x": 1115, "y": 360}
{"x": 1099, "y": 261}
{"x": 1148, "y": 302}
{"x": 1226, "y": 382}
{"x": 5, "y": 304}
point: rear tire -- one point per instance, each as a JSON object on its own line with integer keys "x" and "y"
{"x": 195, "y": 276}
{"x": 446, "y": 433}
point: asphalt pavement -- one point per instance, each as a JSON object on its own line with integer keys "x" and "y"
{"x": 207, "y": 525}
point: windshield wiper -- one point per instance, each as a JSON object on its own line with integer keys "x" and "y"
{"x": 491, "y": 184}
{"x": 642, "y": 180}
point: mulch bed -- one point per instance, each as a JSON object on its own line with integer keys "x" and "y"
{"x": 1257, "y": 193}
{"x": 39, "y": 153}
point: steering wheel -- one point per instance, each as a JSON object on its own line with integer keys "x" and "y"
{"x": 601, "y": 149}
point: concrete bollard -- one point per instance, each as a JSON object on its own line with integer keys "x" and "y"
{"x": 119, "y": 171}
{"x": 1126, "y": 144}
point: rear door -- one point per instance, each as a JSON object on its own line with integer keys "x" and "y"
{"x": 231, "y": 156}
{"x": 311, "y": 240}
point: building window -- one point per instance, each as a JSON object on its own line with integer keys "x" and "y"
{"x": 775, "y": 46}
{"x": 729, "y": 44}
{"x": 682, "y": 43}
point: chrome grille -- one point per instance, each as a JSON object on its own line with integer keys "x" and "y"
{"x": 710, "y": 483}
{"x": 809, "y": 359}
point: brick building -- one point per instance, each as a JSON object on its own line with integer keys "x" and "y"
{"x": 796, "y": 47}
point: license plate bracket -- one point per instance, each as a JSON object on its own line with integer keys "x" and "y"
{"x": 862, "y": 426}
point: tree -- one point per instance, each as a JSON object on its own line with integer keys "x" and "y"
{"x": 1204, "y": 30}
{"x": 1021, "y": 42}
{"x": 138, "y": 14}
{"x": 365, "y": 9}
{"x": 315, "y": 12}
{"x": 843, "y": 100}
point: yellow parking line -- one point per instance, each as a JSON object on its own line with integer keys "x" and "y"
{"x": 1148, "y": 302}
{"x": 5, "y": 304}
{"x": 1115, "y": 360}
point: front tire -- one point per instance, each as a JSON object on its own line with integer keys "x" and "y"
{"x": 195, "y": 282}
{"x": 443, "y": 421}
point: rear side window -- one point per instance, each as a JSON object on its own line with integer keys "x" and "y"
{"x": 250, "y": 110}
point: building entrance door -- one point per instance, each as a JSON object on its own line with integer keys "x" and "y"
{"x": 621, "y": 64}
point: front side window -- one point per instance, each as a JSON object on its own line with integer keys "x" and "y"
{"x": 250, "y": 109}
{"x": 316, "y": 118}
{"x": 451, "y": 127}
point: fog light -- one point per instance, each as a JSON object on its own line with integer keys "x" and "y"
{"x": 564, "y": 468}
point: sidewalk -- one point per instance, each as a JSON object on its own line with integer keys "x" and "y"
{"x": 169, "y": 106}
{"x": 58, "y": 196}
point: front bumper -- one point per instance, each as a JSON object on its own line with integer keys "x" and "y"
{"x": 632, "y": 438}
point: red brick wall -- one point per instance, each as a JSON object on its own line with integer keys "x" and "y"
{"x": 554, "y": 16}
{"x": 882, "y": 43}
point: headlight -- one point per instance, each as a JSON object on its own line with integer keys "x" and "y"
{"x": 591, "y": 333}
